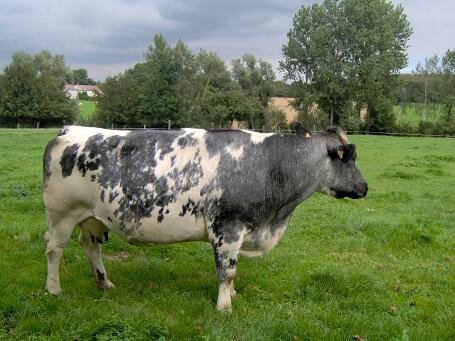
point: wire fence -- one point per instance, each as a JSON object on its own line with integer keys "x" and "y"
{"x": 290, "y": 131}
{"x": 264, "y": 130}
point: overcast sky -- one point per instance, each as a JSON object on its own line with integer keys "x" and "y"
{"x": 108, "y": 36}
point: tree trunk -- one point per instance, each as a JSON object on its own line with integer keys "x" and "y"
{"x": 37, "y": 124}
{"x": 331, "y": 116}
{"x": 425, "y": 101}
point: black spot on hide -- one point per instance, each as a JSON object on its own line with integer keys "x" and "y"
{"x": 68, "y": 159}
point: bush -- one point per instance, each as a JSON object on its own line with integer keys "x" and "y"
{"x": 350, "y": 117}
{"x": 83, "y": 96}
{"x": 427, "y": 128}
{"x": 405, "y": 128}
{"x": 275, "y": 120}
{"x": 436, "y": 128}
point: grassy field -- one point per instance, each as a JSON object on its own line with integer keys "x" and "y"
{"x": 379, "y": 268}
{"x": 412, "y": 114}
{"x": 86, "y": 110}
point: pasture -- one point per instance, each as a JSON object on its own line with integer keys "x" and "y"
{"x": 378, "y": 268}
{"x": 412, "y": 114}
{"x": 86, "y": 110}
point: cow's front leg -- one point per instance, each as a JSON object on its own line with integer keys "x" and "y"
{"x": 226, "y": 251}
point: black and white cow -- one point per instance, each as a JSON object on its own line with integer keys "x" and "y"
{"x": 235, "y": 189}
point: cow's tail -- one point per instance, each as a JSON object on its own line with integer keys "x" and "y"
{"x": 47, "y": 156}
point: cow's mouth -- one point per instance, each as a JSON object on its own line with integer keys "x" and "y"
{"x": 358, "y": 193}
{"x": 352, "y": 195}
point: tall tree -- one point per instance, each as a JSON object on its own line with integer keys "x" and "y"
{"x": 119, "y": 104}
{"x": 346, "y": 51}
{"x": 427, "y": 71}
{"x": 448, "y": 97}
{"x": 210, "y": 77}
{"x": 211, "y": 71}
{"x": 189, "y": 90}
{"x": 32, "y": 90}
{"x": 255, "y": 77}
{"x": 166, "y": 70}
{"x": 80, "y": 76}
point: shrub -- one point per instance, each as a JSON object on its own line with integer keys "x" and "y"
{"x": 83, "y": 96}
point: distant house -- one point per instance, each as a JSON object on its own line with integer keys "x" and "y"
{"x": 74, "y": 90}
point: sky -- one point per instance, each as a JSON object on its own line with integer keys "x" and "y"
{"x": 108, "y": 36}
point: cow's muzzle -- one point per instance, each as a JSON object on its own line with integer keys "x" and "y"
{"x": 360, "y": 191}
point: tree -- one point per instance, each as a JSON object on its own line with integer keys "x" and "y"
{"x": 283, "y": 89}
{"x": 210, "y": 77}
{"x": 32, "y": 90}
{"x": 448, "y": 98}
{"x": 168, "y": 71}
{"x": 227, "y": 106}
{"x": 275, "y": 119}
{"x": 53, "y": 66}
{"x": 211, "y": 72}
{"x": 80, "y": 76}
{"x": 254, "y": 77}
{"x": 189, "y": 90}
{"x": 427, "y": 71}
{"x": 120, "y": 102}
{"x": 348, "y": 51}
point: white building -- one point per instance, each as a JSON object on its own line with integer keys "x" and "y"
{"x": 73, "y": 90}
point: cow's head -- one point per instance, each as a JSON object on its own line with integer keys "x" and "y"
{"x": 340, "y": 176}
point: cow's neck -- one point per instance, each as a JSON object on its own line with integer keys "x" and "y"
{"x": 299, "y": 165}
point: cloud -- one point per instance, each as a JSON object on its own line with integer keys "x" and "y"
{"x": 433, "y": 28}
{"x": 106, "y": 37}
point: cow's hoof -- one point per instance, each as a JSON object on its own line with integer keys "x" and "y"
{"x": 106, "y": 285}
{"x": 227, "y": 310}
{"x": 53, "y": 290}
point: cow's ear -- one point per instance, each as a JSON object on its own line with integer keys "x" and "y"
{"x": 344, "y": 152}
{"x": 301, "y": 130}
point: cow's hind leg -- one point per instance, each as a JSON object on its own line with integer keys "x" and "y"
{"x": 226, "y": 248}
{"x": 56, "y": 237}
{"x": 93, "y": 234}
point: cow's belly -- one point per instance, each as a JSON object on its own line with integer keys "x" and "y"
{"x": 172, "y": 228}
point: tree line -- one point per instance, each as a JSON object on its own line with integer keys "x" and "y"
{"x": 341, "y": 57}
{"x": 431, "y": 87}
{"x": 198, "y": 90}
{"x": 32, "y": 90}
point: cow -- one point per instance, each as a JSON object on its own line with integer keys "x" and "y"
{"x": 235, "y": 189}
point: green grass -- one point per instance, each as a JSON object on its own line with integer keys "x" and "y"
{"x": 86, "y": 110}
{"x": 412, "y": 114}
{"x": 381, "y": 268}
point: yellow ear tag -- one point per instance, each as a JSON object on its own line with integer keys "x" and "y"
{"x": 340, "y": 153}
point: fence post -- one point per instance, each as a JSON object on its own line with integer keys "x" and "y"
{"x": 112, "y": 125}
{"x": 145, "y": 126}
{"x": 169, "y": 125}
